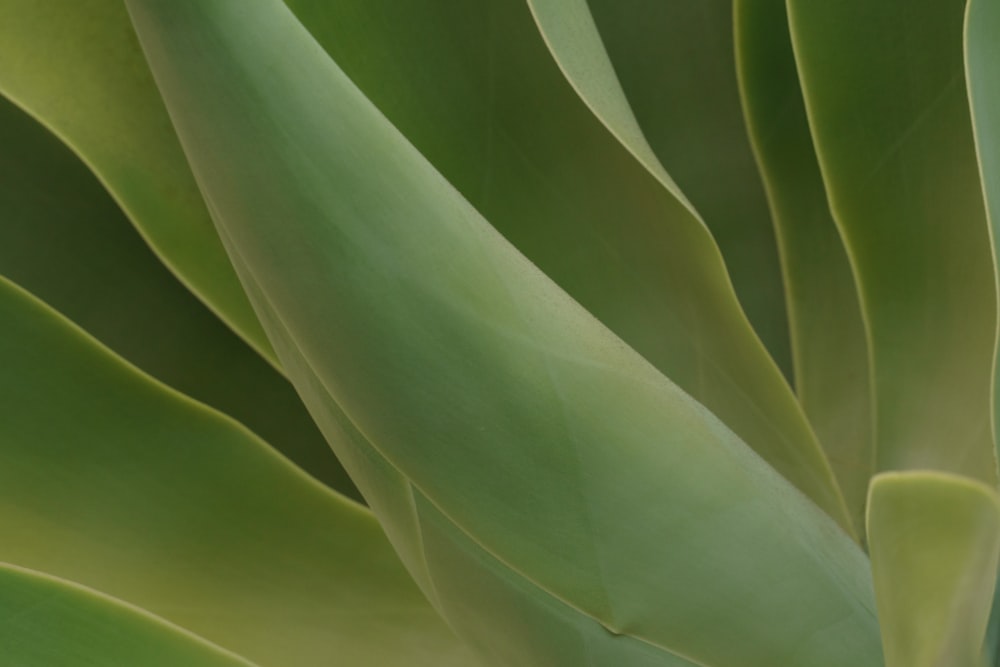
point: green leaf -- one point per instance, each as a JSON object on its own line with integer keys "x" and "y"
{"x": 884, "y": 89}
{"x": 116, "y": 482}
{"x": 829, "y": 347}
{"x": 473, "y": 86}
{"x": 517, "y": 422}
{"x": 55, "y": 623}
{"x": 76, "y": 67}
{"x": 934, "y": 540}
{"x": 674, "y": 62}
{"x": 982, "y": 67}
{"x": 64, "y": 240}
{"x": 982, "y": 54}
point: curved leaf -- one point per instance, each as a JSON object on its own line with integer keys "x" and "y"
{"x": 982, "y": 68}
{"x": 829, "y": 345}
{"x": 51, "y": 622}
{"x": 111, "y": 480}
{"x": 514, "y": 418}
{"x": 934, "y": 542}
{"x": 473, "y": 86}
{"x": 64, "y": 240}
{"x": 884, "y": 89}
{"x": 76, "y": 67}
{"x": 674, "y": 62}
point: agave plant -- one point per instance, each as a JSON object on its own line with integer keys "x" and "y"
{"x": 644, "y": 332}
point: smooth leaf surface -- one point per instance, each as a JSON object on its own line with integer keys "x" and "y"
{"x": 526, "y": 426}
{"x": 52, "y": 622}
{"x": 828, "y": 337}
{"x": 674, "y": 62}
{"x": 114, "y": 481}
{"x": 473, "y": 86}
{"x": 75, "y": 65}
{"x": 64, "y": 240}
{"x": 982, "y": 71}
{"x": 884, "y": 90}
{"x": 934, "y": 541}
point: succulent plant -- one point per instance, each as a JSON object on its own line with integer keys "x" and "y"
{"x": 508, "y": 332}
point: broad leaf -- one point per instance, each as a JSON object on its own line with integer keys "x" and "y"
{"x": 114, "y": 481}
{"x": 934, "y": 542}
{"x": 884, "y": 89}
{"x": 674, "y": 61}
{"x": 473, "y": 86}
{"x": 75, "y": 66}
{"x": 52, "y": 622}
{"x": 533, "y": 442}
{"x": 65, "y": 240}
{"x": 829, "y": 348}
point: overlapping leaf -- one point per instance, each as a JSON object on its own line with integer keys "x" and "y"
{"x": 674, "y": 61}
{"x": 63, "y": 239}
{"x": 829, "y": 347}
{"x": 934, "y": 541}
{"x": 113, "y": 481}
{"x": 473, "y": 86}
{"x": 533, "y": 443}
{"x": 76, "y": 66}
{"x": 50, "y": 622}
{"x": 884, "y": 89}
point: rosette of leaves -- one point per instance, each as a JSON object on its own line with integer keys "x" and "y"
{"x": 508, "y": 332}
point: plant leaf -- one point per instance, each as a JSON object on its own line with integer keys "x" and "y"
{"x": 112, "y": 480}
{"x": 829, "y": 346}
{"x": 528, "y": 427}
{"x": 934, "y": 541}
{"x": 475, "y": 89}
{"x": 76, "y": 67}
{"x": 884, "y": 89}
{"x": 64, "y": 240}
{"x": 674, "y": 62}
{"x": 51, "y": 622}
{"x": 982, "y": 67}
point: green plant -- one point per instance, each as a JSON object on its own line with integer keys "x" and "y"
{"x": 575, "y": 422}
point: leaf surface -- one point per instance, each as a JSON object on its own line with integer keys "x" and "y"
{"x": 828, "y": 337}
{"x": 474, "y": 88}
{"x": 64, "y": 240}
{"x": 884, "y": 90}
{"x": 934, "y": 541}
{"x": 516, "y": 420}
{"x": 52, "y": 622}
{"x": 116, "y": 482}
{"x": 75, "y": 65}
{"x": 678, "y": 95}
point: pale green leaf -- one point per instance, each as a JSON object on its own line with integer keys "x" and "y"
{"x": 75, "y": 66}
{"x": 63, "y": 239}
{"x": 674, "y": 62}
{"x": 112, "y": 480}
{"x": 934, "y": 540}
{"x": 829, "y": 348}
{"x": 473, "y": 86}
{"x": 48, "y": 622}
{"x": 885, "y": 93}
{"x": 515, "y": 421}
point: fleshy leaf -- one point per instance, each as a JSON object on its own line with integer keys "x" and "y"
{"x": 884, "y": 90}
{"x": 517, "y": 421}
{"x": 75, "y": 66}
{"x": 55, "y": 623}
{"x": 114, "y": 481}
{"x": 666, "y": 86}
{"x": 934, "y": 541}
{"x": 64, "y": 240}
{"x": 473, "y": 86}
{"x": 829, "y": 345}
